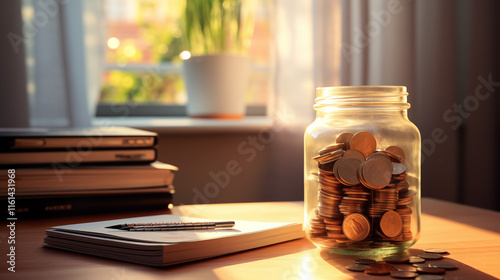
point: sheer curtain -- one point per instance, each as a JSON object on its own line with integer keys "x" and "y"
{"x": 446, "y": 53}
{"x": 65, "y": 57}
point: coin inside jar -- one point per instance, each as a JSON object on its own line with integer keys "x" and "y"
{"x": 375, "y": 174}
{"x": 356, "y": 227}
{"x": 351, "y": 153}
{"x": 397, "y": 151}
{"x": 363, "y": 142}
{"x": 344, "y": 138}
{"x": 347, "y": 169}
{"x": 391, "y": 224}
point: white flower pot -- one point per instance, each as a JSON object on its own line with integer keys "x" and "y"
{"x": 216, "y": 85}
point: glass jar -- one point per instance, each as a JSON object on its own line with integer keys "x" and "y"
{"x": 362, "y": 171}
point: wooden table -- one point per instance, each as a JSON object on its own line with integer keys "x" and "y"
{"x": 471, "y": 235}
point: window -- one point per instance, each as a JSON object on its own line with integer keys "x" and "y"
{"x": 143, "y": 65}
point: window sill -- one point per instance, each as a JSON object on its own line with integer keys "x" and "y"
{"x": 188, "y": 125}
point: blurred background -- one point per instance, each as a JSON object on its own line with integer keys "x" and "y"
{"x": 118, "y": 62}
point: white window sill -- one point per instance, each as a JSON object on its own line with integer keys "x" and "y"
{"x": 188, "y": 125}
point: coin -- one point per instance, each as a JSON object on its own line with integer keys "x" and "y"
{"x": 351, "y": 153}
{"x": 435, "y": 251}
{"x": 331, "y": 148}
{"x": 357, "y": 267}
{"x": 364, "y": 261}
{"x": 391, "y": 224}
{"x": 344, "y": 138}
{"x": 429, "y": 277}
{"x": 415, "y": 259}
{"x": 429, "y": 256}
{"x": 356, "y": 227}
{"x": 403, "y": 274}
{"x": 407, "y": 268}
{"x": 374, "y": 174}
{"x": 446, "y": 266}
{"x": 395, "y": 259}
{"x": 363, "y": 142}
{"x": 378, "y": 155}
{"x": 397, "y": 151}
{"x": 398, "y": 168}
{"x": 430, "y": 270}
{"x": 380, "y": 268}
{"x": 347, "y": 169}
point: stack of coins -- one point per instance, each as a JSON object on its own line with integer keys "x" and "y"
{"x": 363, "y": 195}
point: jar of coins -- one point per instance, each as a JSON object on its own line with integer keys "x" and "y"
{"x": 362, "y": 171}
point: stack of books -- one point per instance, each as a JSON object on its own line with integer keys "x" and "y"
{"x": 76, "y": 171}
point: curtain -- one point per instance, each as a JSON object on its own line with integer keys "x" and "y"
{"x": 65, "y": 57}
{"x": 446, "y": 53}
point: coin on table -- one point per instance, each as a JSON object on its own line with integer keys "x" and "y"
{"x": 395, "y": 259}
{"x": 403, "y": 274}
{"x": 435, "y": 251}
{"x": 364, "y": 261}
{"x": 429, "y": 256}
{"x": 429, "y": 277}
{"x": 357, "y": 267}
{"x": 447, "y": 266}
{"x": 363, "y": 142}
{"x": 356, "y": 227}
{"x": 430, "y": 270}
{"x": 380, "y": 268}
{"x": 407, "y": 268}
{"x": 415, "y": 259}
{"x": 417, "y": 265}
{"x": 344, "y": 138}
{"x": 391, "y": 224}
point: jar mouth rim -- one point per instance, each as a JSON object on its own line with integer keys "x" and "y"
{"x": 374, "y": 88}
{"x": 375, "y": 97}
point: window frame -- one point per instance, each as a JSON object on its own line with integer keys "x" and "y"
{"x": 150, "y": 109}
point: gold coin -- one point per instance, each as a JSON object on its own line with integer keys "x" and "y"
{"x": 356, "y": 227}
{"x": 344, "y": 138}
{"x": 391, "y": 224}
{"x": 363, "y": 142}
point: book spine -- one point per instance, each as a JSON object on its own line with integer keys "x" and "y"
{"x": 78, "y": 205}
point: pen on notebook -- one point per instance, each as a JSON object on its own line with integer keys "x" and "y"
{"x": 173, "y": 226}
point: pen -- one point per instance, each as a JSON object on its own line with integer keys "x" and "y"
{"x": 173, "y": 226}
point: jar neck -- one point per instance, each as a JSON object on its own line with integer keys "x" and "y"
{"x": 361, "y": 100}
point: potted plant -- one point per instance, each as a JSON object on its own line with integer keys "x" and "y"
{"x": 216, "y": 64}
